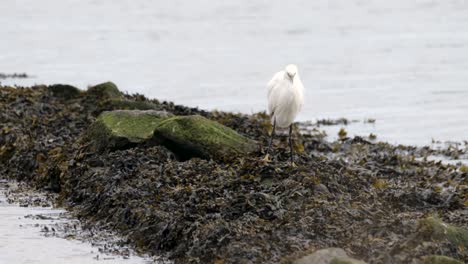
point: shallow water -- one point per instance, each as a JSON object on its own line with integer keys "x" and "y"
{"x": 23, "y": 241}
{"x": 404, "y": 63}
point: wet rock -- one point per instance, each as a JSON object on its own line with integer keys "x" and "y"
{"x": 64, "y": 91}
{"x": 121, "y": 129}
{"x": 321, "y": 189}
{"x": 196, "y": 136}
{"x": 433, "y": 228}
{"x": 322, "y": 256}
{"x": 104, "y": 90}
{"x": 346, "y": 260}
{"x": 440, "y": 260}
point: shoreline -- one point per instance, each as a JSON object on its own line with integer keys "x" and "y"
{"x": 50, "y": 234}
{"x": 363, "y": 196}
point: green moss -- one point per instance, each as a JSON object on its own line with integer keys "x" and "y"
{"x": 342, "y": 133}
{"x": 137, "y": 126}
{"x": 380, "y": 183}
{"x": 434, "y": 228}
{"x": 440, "y": 260}
{"x": 196, "y": 136}
{"x": 464, "y": 168}
{"x": 105, "y": 90}
{"x": 64, "y": 91}
{"x": 123, "y": 128}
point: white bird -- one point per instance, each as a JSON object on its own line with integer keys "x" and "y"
{"x": 285, "y": 100}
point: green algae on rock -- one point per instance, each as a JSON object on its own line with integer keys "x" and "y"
{"x": 197, "y": 136}
{"x": 104, "y": 90}
{"x": 120, "y": 129}
{"x": 434, "y": 228}
{"x": 64, "y": 91}
{"x": 434, "y": 259}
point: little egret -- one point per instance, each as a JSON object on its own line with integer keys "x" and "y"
{"x": 285, "y": 100}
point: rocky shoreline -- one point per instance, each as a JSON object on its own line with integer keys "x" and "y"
{"x": 50, "y": 235}
{"x": 191, "y": 185}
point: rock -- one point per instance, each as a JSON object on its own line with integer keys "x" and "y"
{"x": 197, "y": 136}
{"x": 64, "y": 91}
{"x": 440, "y": 260}
{"x": 322, "y": 256}
{"x": 121, "y": 129}
{"x": 321, "y": 189}
{"x": 433, "y": 228}
{"x": 346, "y": 260}
{"x": 105, "y": 90}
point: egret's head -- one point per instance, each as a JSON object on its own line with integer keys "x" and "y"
{"x": 291, "y": 70}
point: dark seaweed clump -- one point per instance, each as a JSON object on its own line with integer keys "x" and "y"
{"x": 364, "y": 197}
{"x": 13, "y": 75}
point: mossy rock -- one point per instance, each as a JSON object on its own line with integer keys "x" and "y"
{"x": 197, "y": 136}
{"x": 64, "y": 91}
{"x": 121, "y": 129}
{"x": 440, "y": 260}
{"x": 434, "y": 228}
{"x": 346, "y": 260}
{"x": 105, "y": 90}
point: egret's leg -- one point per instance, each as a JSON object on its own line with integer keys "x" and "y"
{"x": 272, "y": 135}
{"x": 267, "y": 157}
{"x": 290, "y": 144}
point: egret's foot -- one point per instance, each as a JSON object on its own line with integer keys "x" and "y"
{"x": 266, "y": 158}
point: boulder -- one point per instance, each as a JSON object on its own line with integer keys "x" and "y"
{"x": 197, "y": 136}
{"x": 64, "y": 91}
{"x": 185, "y": 136}
{"x": 121, "y": 129}
{"x": 104, "y": 90}
{"x": 434, "y": 229}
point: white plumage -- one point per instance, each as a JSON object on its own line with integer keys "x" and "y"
{"x": 285, "y": 96}
{"x": 285, "y": 100}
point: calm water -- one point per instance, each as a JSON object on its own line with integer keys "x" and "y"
{"x": 402, "y": 62}
{"x": 22, "y": 239}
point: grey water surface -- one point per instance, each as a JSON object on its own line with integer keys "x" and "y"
{"x": 403, "y": 63}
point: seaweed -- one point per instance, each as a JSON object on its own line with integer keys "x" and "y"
{"x": 369, "y": 198}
